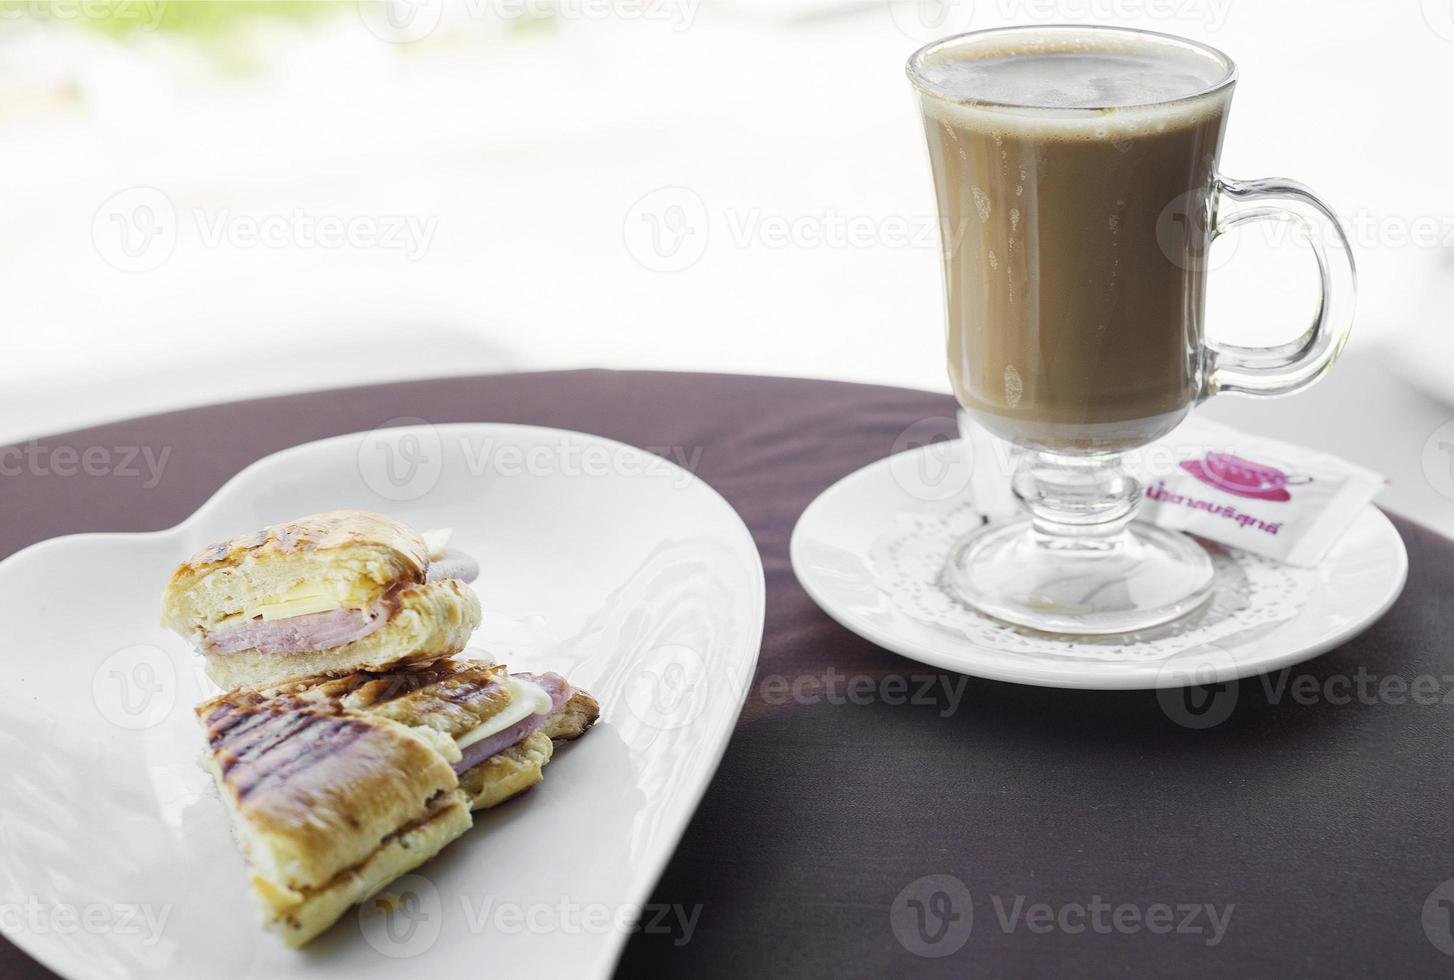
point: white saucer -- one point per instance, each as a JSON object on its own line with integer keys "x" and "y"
{"x": 865, "y": 550}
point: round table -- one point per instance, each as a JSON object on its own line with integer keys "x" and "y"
{"x": 873, "y": 816}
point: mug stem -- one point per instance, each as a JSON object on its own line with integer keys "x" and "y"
{"x": 1077, "y": 563}
{"x": 1076, "y": 496}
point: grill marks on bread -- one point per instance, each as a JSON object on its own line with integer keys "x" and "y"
{"x": 451, "y": 697}
{"x": 258, "y": 746}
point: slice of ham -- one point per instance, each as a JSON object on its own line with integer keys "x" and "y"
{"x": 300, "y": 634}
{"x": 560, "y": 692}
{"x": 322, "y": 630}
{"x": 453, "y": 563}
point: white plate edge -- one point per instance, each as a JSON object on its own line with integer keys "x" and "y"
{"x": 616, "y": 938}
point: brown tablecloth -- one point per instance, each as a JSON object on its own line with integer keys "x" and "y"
{"x": 1074, "y": 833}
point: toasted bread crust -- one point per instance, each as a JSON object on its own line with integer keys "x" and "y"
{"x": 507, "y": 774}
{"x": 432, "y": 621}
{"x": 329, "y": 531}
{"x": 336, "y": 786}
{"x": 221, "y": 579}
{"x": 443, "y": 701}
{"x": 571, "y": 719}
{"x": 300, "y": 917}
{"x": 450, "y": 696}
{"x": 314, "y": 792}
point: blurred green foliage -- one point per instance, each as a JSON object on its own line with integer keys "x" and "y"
{"x": 204, "y": 19}
{"x": 196, "y": 17}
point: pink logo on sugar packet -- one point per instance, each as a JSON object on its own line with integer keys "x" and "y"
{"x": 1242, "y": 477}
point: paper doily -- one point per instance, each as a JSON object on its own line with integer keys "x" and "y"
{"x": 1250, "y": 594}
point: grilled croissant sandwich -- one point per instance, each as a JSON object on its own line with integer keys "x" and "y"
{"x": 326, "y": 594}
{"x": 336, "y": 786}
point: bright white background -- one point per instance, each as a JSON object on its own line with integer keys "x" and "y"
{"x": 726, "y": 185}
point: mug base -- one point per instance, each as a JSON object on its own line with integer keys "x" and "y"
{"x": 1138, "y": 577}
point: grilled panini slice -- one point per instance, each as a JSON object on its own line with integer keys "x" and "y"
{"x": 326, "y": 594}
{"x": 496, "y": 729}
{"x": 423, "y": 623}
{"x": 327, "y": 807}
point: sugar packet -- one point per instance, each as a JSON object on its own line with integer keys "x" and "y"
{"x": 1261, "y": 495}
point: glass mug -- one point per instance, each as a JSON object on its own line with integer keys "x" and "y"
{"x": 1076, "y": 175}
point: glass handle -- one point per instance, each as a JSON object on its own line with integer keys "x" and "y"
{"x": 1285, "y": 368}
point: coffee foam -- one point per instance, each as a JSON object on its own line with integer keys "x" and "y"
{"x": 1072, "y": 86}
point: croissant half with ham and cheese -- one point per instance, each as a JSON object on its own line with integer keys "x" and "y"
{"x": 338, "y": 785}
{"x": 350, "y": 748}
{"x": 326, "y": 594}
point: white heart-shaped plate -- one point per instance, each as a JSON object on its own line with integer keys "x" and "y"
{"x": 602, "y": 562}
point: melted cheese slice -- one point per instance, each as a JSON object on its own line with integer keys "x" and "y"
{"x": 301, "y": 605}
{"x": 526, "y": 699}
{"x": 302, "y": 600}
{"x": 437, "y": 540}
